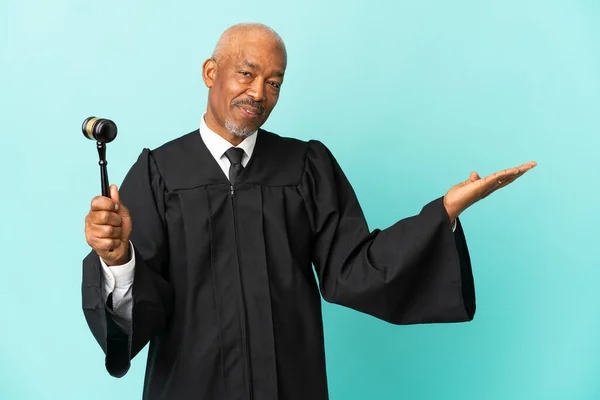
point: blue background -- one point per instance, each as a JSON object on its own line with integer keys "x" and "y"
{"x": 410, "y": 96}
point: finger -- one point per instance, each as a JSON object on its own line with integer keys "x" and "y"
{"x": 527, "y": 166}
{"x": 106, "y": 231}
{"x": 498, "y": 185}
{"x": 493, "y": 179}
{"x": 501, "y": 183}
{"x": 474, "y": 177}
{"x": 531, "y": 164}
{"x": 102, "y": 203}
{"x": 511, "y": 179}
{"x": 501, "y": 175}
{"x": 105, "y": 218}
{"x": 503, "y": 178}
{"x": 104, "y": 244}
{"x": 491, "y": 189}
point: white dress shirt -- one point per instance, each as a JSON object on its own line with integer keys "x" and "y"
{"x": 118, "y": 279}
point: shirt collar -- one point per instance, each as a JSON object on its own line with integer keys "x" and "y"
{"x": 217, "y": 145}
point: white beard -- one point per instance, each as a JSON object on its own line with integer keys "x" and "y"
{"x": 238, "y": 131}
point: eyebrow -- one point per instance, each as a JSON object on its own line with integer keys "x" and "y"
{"x": 250, "y": 65}
{"x": 256, "y": 67}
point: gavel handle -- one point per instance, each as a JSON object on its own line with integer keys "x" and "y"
{"x": 103, "y": 172}
{"x": 104, "y": 179}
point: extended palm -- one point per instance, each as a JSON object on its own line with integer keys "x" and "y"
{"x": 465, "y": 194}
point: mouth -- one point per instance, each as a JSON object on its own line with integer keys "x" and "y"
{"x": 250, "y": 112}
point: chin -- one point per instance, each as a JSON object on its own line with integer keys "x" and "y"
{"x": 241, "y": 130}
{"x": 242, "y": 134}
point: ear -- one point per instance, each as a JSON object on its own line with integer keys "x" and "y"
{"x": 208, "y": 72}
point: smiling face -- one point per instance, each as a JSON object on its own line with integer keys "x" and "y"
{"x": 244, "y": 79}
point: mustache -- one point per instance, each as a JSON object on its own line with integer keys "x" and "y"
{"x": 249, "y": 102}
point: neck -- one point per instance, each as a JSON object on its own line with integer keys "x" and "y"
{"x": 214, "y": 126}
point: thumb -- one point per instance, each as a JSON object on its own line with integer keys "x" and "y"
{"x": 472, "y": 178}
{"x": 119, "y": 207}
{"x": 114, "y": 196}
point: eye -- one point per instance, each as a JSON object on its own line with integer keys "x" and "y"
{"x": 245, "y": 73}
{"x": 275, "y": 85}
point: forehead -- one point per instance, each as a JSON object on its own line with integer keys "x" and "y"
{"x": 265, "y": 53}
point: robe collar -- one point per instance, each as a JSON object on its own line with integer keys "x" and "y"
{"x": 187, "y": 162}
{"x": 217, "y": 145}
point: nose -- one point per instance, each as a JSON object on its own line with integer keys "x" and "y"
{"x": 257, "y": 90}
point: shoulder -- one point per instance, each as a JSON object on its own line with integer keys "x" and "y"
{"x": 175, "y": 147}
{"x": 175, "y": 155}
{"x": 289, "y": 160}
{"x": 169, "y": 159}
{"x": 281, "y": 142}
{"x": 293, "y": 148}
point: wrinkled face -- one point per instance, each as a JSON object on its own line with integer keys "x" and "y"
{"x": 244, "y": 83}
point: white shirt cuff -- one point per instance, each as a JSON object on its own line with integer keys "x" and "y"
{"x": 119, "y": 276}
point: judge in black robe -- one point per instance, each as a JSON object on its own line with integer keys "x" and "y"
{"x": 224, "y": 291}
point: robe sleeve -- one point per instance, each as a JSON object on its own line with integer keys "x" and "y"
{"x": 142, "y": 192}
{"x": 415, "y": 271}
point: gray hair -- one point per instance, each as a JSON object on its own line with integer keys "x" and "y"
{"x": 231, "y": 32}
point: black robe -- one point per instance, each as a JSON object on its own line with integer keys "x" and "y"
{"x": 224, "y": 289}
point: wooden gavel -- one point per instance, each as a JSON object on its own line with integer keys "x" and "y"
{"x": 103, "y": 131}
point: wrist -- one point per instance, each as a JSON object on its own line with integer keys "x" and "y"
{"x": 120, "y": 260}
{"x": 451, "y": 211}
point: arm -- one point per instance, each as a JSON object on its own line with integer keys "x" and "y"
{"x": 142, "y": 196}
{"x": 117, "y": 293}
{"x": 416, "y": 271}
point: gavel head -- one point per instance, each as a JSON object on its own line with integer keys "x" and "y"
{"x": 100, "y": 129}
